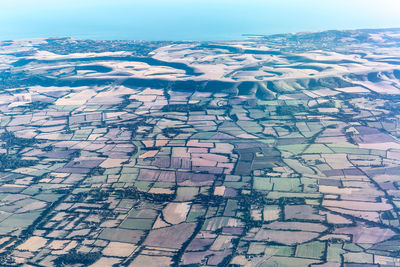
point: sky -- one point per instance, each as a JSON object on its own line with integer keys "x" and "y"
{"x": 188, "y": 19}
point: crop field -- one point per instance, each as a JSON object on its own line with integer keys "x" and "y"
{"x": 274, "y": 151}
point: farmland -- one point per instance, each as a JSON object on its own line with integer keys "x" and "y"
{"x": 280, "y": 150}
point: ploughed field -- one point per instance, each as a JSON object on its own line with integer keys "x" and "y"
{"x": 280, "y": 150}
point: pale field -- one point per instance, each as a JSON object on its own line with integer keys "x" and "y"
{"x": 160, "y": 223}
{"x": 385, "y": 260}
{"x": 354, "y": 89}
{"x": 175, "y": 213}
{"x": 219, "y": 190}
{"x": 303, "y": 226}
{"x": 33, "y": 243}
{"x": 180, "y": 152}
{"x": 222, "y": 242}
{"x": 118, "y": 249}
{"x": 393, "y": 155}
{"x": 155, "y": 190}
{"x": 58, "y": 244}
{"x": 333, "y": 236}
{"x": 366, "y": 235}
{"x": 110, "y": 223}
{"x": 337, "y": 161}
{"x": 154, "y": 261}
{"x": 325, "y": 92}
{"x": 149, "y": 154}
{"x": 381, "y": 146}
{"x": 336, "y": 190}
{"x": 372, "y": 216}
{"x": 106, "y": 261}
{"x": 112, "y": 163}
{"x": 328, "y": 110}
{"x": 256, "y": 215}
{"x": 335, "y": 218}
{"x": 271, "y": 213}
{"x": 285, "y": 237}
{"x": 358, "y": 205}
{"x": 196, "y": 161}
{"x": 197, "y": 143}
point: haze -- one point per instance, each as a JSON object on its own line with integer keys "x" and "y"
{"x": 188, "y": 20}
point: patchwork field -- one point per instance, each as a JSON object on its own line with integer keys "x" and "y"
{"x": 280, "y": 150}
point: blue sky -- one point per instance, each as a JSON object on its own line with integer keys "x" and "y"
{"x": 190, "y": 19}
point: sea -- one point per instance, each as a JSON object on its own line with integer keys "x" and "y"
{"x": 188, "y": 19}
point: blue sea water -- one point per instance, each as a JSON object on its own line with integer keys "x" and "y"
{"x": 188, "y": 19}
